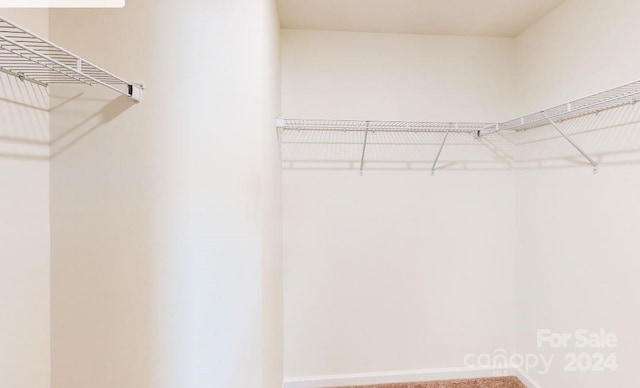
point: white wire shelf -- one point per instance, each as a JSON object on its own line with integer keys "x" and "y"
{"x": 613, "y": 98}
{"x": 379, "y": 126}
{"x": 32, "y": 58}
{"x": 360, "y": 142}
{"x": 313, "y": 128}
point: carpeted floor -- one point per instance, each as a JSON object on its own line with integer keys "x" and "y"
{"x": 497, "y": 382}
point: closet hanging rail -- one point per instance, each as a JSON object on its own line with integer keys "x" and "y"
{"x": 32, "y": 58}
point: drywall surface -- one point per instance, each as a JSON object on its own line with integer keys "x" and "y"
{"x": 24, "y": 224}
{"x": 577, "y": 265}
{"x": 271, "y": 201}
{"x": 368, "y": 76}
{"x": 157, "y": 213}
{"x": 396, "y": 270}
{"x": 581, "y": 48}
{"x": 577, "y": 246}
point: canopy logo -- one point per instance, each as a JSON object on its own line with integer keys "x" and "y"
{"x": 62, "y": 3}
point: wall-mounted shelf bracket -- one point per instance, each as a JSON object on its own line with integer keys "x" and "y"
{"x": 364, "y": 149}
{"x": 567, "y": 138}
{"x": 435, "y": 162}
{"x": 32, "y": 58}
{"x": 135, "y": 91}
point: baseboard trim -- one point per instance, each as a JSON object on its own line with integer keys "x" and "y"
{"x": 402, "y": 377}
{"x": 526, "y": 378}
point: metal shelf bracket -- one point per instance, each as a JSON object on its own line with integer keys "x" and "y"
{"x": 135, "y": 92}
{"x": 593, "y": 163}
{"x": 364, "y": 149}
{"x": 435, "y": 162}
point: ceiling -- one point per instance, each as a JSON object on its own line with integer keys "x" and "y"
{"x": 506, "y": 18}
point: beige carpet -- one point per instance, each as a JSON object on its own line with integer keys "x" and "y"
{"x": 498, "y": 382}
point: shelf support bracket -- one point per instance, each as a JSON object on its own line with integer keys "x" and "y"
{"x": 567, "y": 138}
{"x": 435, "y": 162}
{"x": 134, "y": 91}
{"x": 364, "y": 149}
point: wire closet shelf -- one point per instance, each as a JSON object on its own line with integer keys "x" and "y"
{"x": 32, "y": 58}
{"x": 379, "y": 126}
{"x": 593, "y": 104}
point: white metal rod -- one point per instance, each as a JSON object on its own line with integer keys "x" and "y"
{"x": 25, "y": 78}
{"x": 435, "y": 162}
{"x": 364, "y": 149}
{"x": 567, "y": 138}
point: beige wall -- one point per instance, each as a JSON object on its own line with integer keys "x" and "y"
{"x": 577, "y": 245}
{"x": 24, "y": 224}
{"x": 159, "y": 210}
{"x": 396, "y": 270}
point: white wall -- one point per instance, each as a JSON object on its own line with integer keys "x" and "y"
{"x": 165, "y": 214}
{"x": 581, "y": 48}
{"x": 577, "y": 245}
{"x": 396, "y": 270}
{"x": 159, "y": 209}
{"x": 24, "y": 224}
{"x": 271, "y": 202}
{"x": 372, "y": 76}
